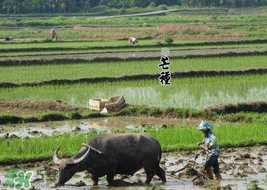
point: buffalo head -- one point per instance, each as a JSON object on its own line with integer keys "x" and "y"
{"x": 69, "y": 166}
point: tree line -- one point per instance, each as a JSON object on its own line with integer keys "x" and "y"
{"x": 72, "y": 6}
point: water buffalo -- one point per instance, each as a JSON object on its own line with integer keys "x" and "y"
{"x": 113, "y": 154}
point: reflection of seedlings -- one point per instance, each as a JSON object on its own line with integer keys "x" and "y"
{"x": 133, "y": 128}
{"x": 227, "y": 187}
{"x": 254, "y": 186}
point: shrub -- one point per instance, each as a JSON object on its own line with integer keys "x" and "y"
{"x": 76, "y": 115}
{"x": 9, "y": 119}
{"x": 152, "y": 4}
{"x": 163, "y": 7}
{"x": 168, "y": 40}
{"x": 53, "y": 117}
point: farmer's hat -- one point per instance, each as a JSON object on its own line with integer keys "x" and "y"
{"x": 204, "y": 125}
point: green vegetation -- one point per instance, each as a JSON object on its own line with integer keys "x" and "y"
{"x": 196, "y": 93}
{"x": 254, "y": 112}
{"x": 58, "y": 51}
{"x": 183, "y": 24}
{"x": 248, "y": 117}
{"x": 37, "y": 73}
{"x": 83, "y": 6}
{"x": 122, "y": 45}
{"x": 168, "y": 40}
{"x": 69, "y": 45}
{"x": 119, "y": 6}
{"x": 38, "y": 116}
{"x": 180, "y": 137}
{"x": 183, "y": 30}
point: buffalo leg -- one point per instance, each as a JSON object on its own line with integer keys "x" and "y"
{"x": 110, "y": 179}
{"x": 149, "y": 173}
{"x": 161, "y": 173}
{"x": 95, "y": 180}
{"x": 149, "y": 177}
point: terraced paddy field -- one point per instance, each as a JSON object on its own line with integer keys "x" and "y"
{"x": 69, "y": 45}
{"x": 61, "y": 50}
{"x": 46, "y": 72}
{"x": 123, "y": 45}
{"x": 195, "y": 93}
{"x": 183, "y": 24}
{"x": 179, "y": 138}
{"x": 218, "y": 61}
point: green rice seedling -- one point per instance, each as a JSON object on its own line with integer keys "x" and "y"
{"x": 196, "y": 93}
{"x": 37, "y": 73}
{"x": 174, "y": 138}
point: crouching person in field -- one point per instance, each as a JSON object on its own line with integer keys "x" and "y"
{"x": 211, "y": 149}
{"x": 132, "y": 40}
{"x": 53, "y": 34}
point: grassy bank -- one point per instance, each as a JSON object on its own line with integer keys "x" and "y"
{"x": 242, "y": 112}
{"x": 35, "y": 116}
{"x": 171, "y": 139}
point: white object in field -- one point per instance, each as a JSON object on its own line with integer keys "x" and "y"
{"x": 104, "y": 111}
{"x": 132, "y": 40}
{"x": 97, "y": 104}
{"x": 114, "y": 104}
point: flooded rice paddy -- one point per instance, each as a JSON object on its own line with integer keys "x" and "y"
{"x": 98, "y": 125}
{"x": 240, "y": 167}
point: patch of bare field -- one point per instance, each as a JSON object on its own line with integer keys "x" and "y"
{"x": 182, "y": 28}
{"x": 210, "y": 37}
{"x": 114, "y": 33}
{"x": 28, "y": 106}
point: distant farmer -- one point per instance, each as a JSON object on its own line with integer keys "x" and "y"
{"x": 53, "y": 34}
{"x": 211, "y": 149}
{"x": 132, "y": 40}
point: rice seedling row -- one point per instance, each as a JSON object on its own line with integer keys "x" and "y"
{"x": 148, "y": 43}
{"x": 66, "y": 51}
{"x": 196, "y": 93}
{"x": 180, "y": 137}
{"x": 37, "y": 73}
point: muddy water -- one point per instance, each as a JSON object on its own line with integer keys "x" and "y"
{"x": 98, "y": 125}
{"x": 239, "y": 167}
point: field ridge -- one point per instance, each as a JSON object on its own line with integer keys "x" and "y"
{"x": 128, "y": 56}
{"x": 231, "y": 112}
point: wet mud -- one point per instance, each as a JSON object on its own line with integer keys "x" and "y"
{"x": 240, "y": 167}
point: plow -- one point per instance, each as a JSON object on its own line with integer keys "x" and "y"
{"x": 199, "y": 177}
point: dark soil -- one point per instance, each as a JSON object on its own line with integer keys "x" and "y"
{"x": 32, "y": 106}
